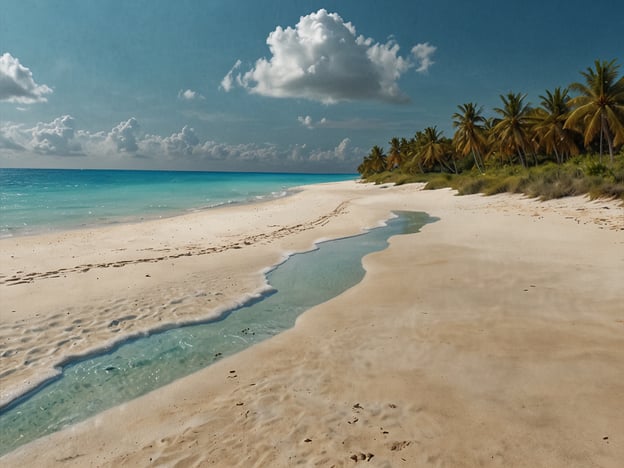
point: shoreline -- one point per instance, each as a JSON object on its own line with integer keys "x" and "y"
{"x": 156, "y": 208}
{"x": 570, "y": 237}
{"x": 143, "y": 218}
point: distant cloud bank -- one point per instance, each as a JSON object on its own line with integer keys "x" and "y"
{"x": 323, "y": 59}
{"x": 17, "y": 83}
{"x": 61, "y": 138}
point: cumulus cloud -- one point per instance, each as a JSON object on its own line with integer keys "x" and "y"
{"x": 342, "y": 157}
{"x": 309, "y": 123}
{"x": 190, "y": 95}
{"x": 184, "y": 149}
{"x": 10, "y": 136}
{"x": 123, "y": 137}
{"x": 423, "y": 53}
{"x": 342, "y": 149}
{"x": 305, "y": 121}
{"x": 17, "y": 83}
{"x": 247, "y": 152}
{"x": 182, "y": 143}
{"x": 341, "y": 153}
{"x": 323, "y": 59}
{"x": 56, "y": 137}
{"x": 227, "y": 83}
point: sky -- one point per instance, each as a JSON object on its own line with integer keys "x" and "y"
{"x": 272, "y": 85}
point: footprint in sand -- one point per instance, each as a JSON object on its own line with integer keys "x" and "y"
{"x": 398, "y": 446}
{"x": 361, "y": 456}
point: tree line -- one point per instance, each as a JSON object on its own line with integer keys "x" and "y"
{"x": 592, "y": 119}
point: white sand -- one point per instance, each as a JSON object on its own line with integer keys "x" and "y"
{"x": 493, "y": 337}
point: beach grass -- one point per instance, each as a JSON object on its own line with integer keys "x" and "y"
{"x": 582, "y": 175}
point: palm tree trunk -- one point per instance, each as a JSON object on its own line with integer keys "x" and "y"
{"x": 521, "y": 158}
{"x": 608, "y": 137}
{"x": 481, "y": 161}
{"x": 419, "y": 163}
{"x": 444, "y": 165}
{"x": 534, "y": 153}
{"x": 601, "y": 134}
{"x": 474, "y": 156}
{"x": 559, "y": 161}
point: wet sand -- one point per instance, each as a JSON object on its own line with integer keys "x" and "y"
{"x": 493, "y": 337}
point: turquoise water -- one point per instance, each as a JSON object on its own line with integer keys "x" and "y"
{"x": 40, "y": 200}
{"x": 138, "y": 366}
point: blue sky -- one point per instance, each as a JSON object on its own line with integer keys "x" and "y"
{"x": 271, "y": 85}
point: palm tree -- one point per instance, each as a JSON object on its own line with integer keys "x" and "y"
{"x": 470, "y": 136}
{"x": 434, "y": 148}
{"x": 373, "y": 163}
{"x": 395, "y": 156}
{"x": 599, "y": 109}
{"x": 404, "y": 149}
{"x": 377, "y": 159}
{"x": 413, "y": 162}
{"x": 488, "y": 132}
{"x": 548, "y": 124}
{"x": 364, "y": 168}
{"x": 511, "y": 130}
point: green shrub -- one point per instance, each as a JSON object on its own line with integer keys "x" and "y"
{"x": 439, "y": 181}
{"x": 579, "y": 175}
{"x": 469, "y": 185}
{"x": 496, "y": 186}
{"x": 596, "y": 168}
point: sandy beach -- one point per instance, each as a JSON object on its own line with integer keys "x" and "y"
{"x": 493, "y": 337}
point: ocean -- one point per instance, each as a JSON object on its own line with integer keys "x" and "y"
{"x": 34, "y": 201}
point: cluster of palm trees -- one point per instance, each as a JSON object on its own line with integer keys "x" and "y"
{"x": 557, "y": 129}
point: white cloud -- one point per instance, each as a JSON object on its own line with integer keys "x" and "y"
{"x": 128, "y": 138}
{"x": 423, "y": 53}
{"x": 190, "y": 95}
{"x": 309, "y": 123}
{"x": 11, "y": 137}
{"x": 17, "y": 83}
{"x": 322, "y": 59}
{"x": 125, "y": 142}
{"x": 305, "y": 121}
{"x": 56, "y": 137}
{"x": 177, "y": 144}
{"x": 227, "y": 83}
{"x": 343, "y": 148}
{"x": 123, "y": 137}
{"x": 344, "y": 152}
{"x": 247, "y": 152}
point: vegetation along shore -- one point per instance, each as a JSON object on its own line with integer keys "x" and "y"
{"x": 572, "y": 143}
